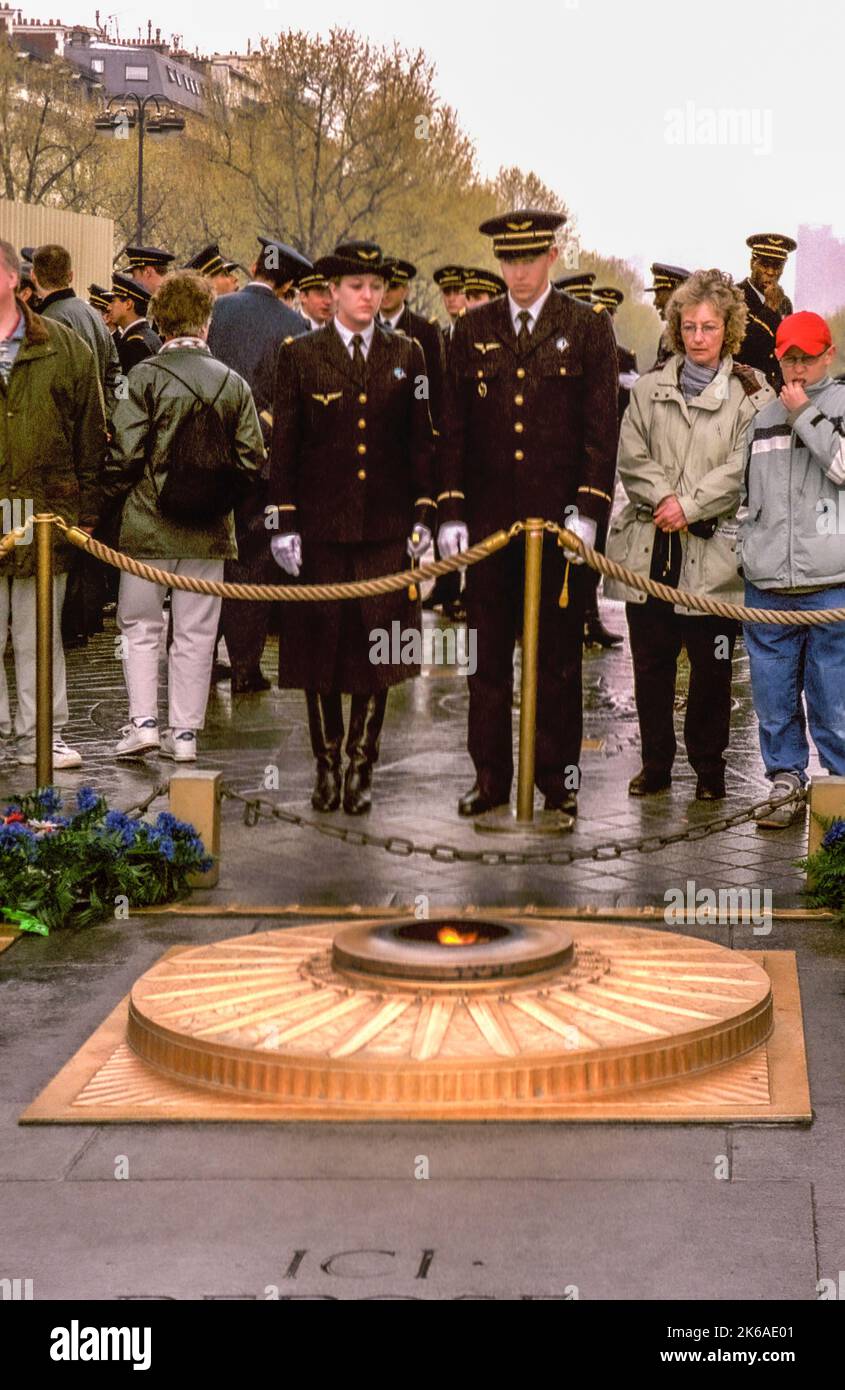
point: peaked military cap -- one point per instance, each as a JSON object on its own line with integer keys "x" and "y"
{"x": 666, "y": 277}
{"x": 399, "y": 272}
{"x": 578, "y": 285}
{"x": 124, "y": 287}
{"x": 354, "y": 258}
{"x": 27, "y": 253}
{"x": 283, "y": 261}
{"x": 449, "y": 277}
{"x": 208, "y": 261}
{"x": 769, "y": 246}
{"x": 524, "y": 232}
{"x": 139, "y": 256}
{"x": 313, "y": 279}
{"x": 483, "y": 282}
{"x": 610, "y": 298}
{"x": 99, "y": 297}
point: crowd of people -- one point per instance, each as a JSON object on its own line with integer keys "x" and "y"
{"x": 310, "y": 427}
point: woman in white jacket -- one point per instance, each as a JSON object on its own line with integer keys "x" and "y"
{"x": 681, "y": 461}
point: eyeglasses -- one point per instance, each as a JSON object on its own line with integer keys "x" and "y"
{"x": 690, "y": 329}
{"x": 803, "y": 360}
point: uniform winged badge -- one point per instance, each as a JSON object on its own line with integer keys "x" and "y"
{"x": 327, "y": 398}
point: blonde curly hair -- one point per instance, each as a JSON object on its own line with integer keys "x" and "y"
{"x": 711, "y": 287}
{"x": 182, "y": 304}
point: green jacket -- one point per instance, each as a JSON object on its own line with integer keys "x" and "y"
{"x": 143, "y": 428}
{"x": 52, "y": 437}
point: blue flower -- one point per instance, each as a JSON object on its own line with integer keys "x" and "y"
{"x": 17, "y": 836}
{"x": 166, "y": 846}
{"x": 118, "y": 823}
{"x": 835, "y": 835}
{"x": 48, "y": 800}
{"x": 86, "y": 799}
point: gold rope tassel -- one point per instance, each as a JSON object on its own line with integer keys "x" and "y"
{"x": 563, "y": 601}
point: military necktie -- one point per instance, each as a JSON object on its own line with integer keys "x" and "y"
{"x": 523, "y": 337}
{"x": 359, "y": 361}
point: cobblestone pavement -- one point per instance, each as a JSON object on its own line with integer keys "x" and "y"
{"x": 423, "y": 769}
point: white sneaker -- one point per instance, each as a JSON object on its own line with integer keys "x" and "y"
{"x": 783, "y": 816}
{"x": 139, "y": 736}
{"x": 63, "y": 757}
{"x": 180, "y": 745}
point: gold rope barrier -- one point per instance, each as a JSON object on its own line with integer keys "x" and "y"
{"x": 367, "y": 588}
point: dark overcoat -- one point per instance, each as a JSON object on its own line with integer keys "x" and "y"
{"x": 351, "y": 470}
{"x": 138, "y": 343}
{"x": 758, "y": 346}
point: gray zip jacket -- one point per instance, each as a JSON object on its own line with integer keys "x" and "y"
{"x": 792, "y": 529}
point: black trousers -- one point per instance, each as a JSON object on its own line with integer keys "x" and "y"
{"x": 657, "y": 635}
{"x": 494, "y": 596}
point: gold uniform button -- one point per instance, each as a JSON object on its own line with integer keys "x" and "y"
{"x": 519, "y": 427}
{"x": 519, "y": 400}
{"x": 362, "y": 448}
{"x": 520, "y": 371}
{"x": 563, "y": 371}
{"x": 362, "y": 424}
{"x": 362, "y": 474}
{"x": 519, "y": 455}
{"x": 480, "y": 373}
{"x": 362, "y": 399}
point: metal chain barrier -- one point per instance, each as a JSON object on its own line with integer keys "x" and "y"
{"x": 257, "y": 808}
{"x": 368, "y": 588}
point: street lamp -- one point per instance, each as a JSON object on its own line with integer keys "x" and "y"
{"x": 116, "y": 116}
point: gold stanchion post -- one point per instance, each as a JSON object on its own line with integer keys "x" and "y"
{"x": 528, "y": 695}
{"x": 43, "y": 651}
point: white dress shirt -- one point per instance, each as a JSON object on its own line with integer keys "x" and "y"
{"x": 533, "y": 309}
{"x": 392, "y": 322}
{"x": 347, "y": 334}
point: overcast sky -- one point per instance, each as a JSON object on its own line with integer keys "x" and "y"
{"x": 672, "y": 132}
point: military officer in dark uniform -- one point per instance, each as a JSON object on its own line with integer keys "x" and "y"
{"x": 100, "y": 299}
{"x": 148, "y": 265}
{"x": 210, "y": 263}
{"x": 316, "y": 304}
{"x": 667, "y": 278}
{"x": 480, "y": 286}
{"x": 449, "y": 279}
{"x": 396, "y": 314}
{"x": 579, "y": 285}
{"x": 128, "y": 312}
{"x": 351, "y": 475}
{"x": 247, "y": 329}
{"x": 766, "y": 302}
{"x": 530, "y": 431}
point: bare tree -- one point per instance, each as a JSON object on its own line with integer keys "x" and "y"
{"x": 46, "y": 132}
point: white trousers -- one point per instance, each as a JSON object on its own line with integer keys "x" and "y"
{"x": 17, "y": 605}
{"x": 140, "y": 617}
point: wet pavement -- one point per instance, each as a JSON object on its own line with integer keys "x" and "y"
{"x": 616, "y": 1211}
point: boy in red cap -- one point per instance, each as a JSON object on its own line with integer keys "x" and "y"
{"x": 792, "y": 554}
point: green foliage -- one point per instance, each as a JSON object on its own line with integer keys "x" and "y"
{"x": 69, "y": 870}
{"x": 826, "y": 868}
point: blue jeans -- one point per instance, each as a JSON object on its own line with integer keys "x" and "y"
{"x": 788, "y": 661}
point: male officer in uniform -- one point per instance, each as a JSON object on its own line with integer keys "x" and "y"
{"x": 210, "y": 263}
{"x": 148, "y": 265}
{"x": 100, "y": 299}
{"x": 351, "y": 474}
{"x": 449, "y": 279}
{"x": 667, "y": 278}
{"x": 530, "y": 431}
{"x": 247, "y": 329}
{"x": 398, "y": 316}
{"x": 128, "y": 312}
{"x": 316, "y": 304}
{"x": 579, "y": 285}
{"x": 480, "y": 286}
{"x": 767, "y": 303}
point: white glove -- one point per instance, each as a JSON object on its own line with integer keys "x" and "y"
{"x": 287, "y": 552}
{"x": 585, "y": 529}
{"x": 452, "y": 539}
{"x": 418, "y": 541}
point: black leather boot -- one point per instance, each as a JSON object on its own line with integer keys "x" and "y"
{"x": 595, "y": 632}
{"x": 325, "y": 724}
{"x": 366, "y": 717}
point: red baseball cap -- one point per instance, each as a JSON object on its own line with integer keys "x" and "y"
{"x": 806, "y": 331}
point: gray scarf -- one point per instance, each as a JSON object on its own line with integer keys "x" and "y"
{"x": 694, "y": 378}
